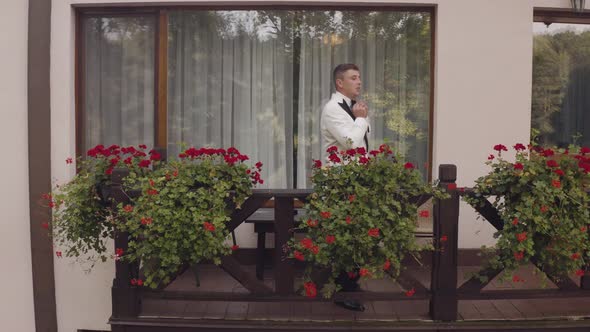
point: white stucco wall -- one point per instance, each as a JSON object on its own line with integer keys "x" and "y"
{"x": 16, "y": 285}
{"x": 483, "y": 83}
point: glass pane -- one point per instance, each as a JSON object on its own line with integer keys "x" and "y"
{"x": 119, "y": 80}
{"x": 230, "y": 83}
{"x": 392, "y": 51}
{"x": 257, "y": 80}
{"x": 561, "y": 83}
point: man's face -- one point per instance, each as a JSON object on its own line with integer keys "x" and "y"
{"x": 350, "y": 83}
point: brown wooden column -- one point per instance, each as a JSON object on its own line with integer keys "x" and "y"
{"x": 444, "y": 303}
{"x": 39, "y": 135}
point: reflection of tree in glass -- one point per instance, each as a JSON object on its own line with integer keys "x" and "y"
{"x": 561, "y": 79}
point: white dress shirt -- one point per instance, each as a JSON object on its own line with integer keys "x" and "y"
{"x": 337, "y": 127}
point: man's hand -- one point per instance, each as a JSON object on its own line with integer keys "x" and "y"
{"x": 360, "y": 110}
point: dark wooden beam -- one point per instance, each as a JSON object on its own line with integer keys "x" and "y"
{"x": 39, "y": 136}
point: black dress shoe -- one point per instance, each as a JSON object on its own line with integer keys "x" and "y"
{"x": 350, "y": 304}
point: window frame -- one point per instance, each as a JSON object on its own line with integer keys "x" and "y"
{"x": 160, "y": 13}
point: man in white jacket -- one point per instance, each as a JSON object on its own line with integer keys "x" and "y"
{"x": 344, "y": 121}
{"x": 344, "y": 124}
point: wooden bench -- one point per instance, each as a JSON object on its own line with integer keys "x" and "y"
{"x": 264, "y": 222}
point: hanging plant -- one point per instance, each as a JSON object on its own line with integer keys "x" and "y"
{"x": 82, "y": 218}
{"x": 180, "y": 217}
{"x": 541, "y": 198}
{"x": 361, "y": 219}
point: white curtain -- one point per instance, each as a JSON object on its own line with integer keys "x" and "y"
{"x": 119, "y": 81}
{"x": 230, "y": 84}
{"x": 257, "y": 80}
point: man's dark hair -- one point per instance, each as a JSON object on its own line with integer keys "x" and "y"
{"x": 341, "y": 69}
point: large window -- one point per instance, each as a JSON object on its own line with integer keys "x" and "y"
{"x": 561, "y": 79}
{"x": 255, "y": 79}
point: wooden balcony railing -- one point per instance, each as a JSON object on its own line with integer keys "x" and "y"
{"x": 443, "y": 292}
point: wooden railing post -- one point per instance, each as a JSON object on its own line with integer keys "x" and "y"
{"x": 284, "y": 224}
{"x": 444, "y": 301}
{"x": 125, "y": 302}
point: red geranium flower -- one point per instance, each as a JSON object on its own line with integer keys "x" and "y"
{"x": 58, "y": 254}
{"x": 519, "y": 147}
{"x": 348, "y": 220}
{"x": 334, "y": 158}
{"x": 351, "y": 198}
{"x": 544, "y": 208}
{"x": 556, "y": 183}
{"x": 69, "y": 160}
{"x": 500, "y": 148}
{"x": 559, "y": 172}
{"x": 332, "y": 149}
{"x": 312, "y": 222}
{"x": 330, "y": 239}
{"x": 424, "y": 214}
{"x": 576, "y": 256}
{"x": 547, "y": 153}
{"x": 444, "y": 238}
{"x": 317, "y": 163}
{"x": 145, "y": 163}
{"x": 452, "y": 186}
{"x": 315, "y": 250}
{"x": 142, "y": 146}
{"x": 373, "y": 232}
{"x": 155, "y": 156}
{"x": 491, "y": 157}
{"x": 515, "y": 221}
{"x": 364, "y": 272}
{"x": 411, "y": 292}
{"x": 519, "y": 255}
{"x": 552, "y": 163}
{"x": 235, "y": 247}
{"x": 298, "y": 256}
{"x": 580, "y": 273}
{"x": 152, "y": 191}
{"x": 386, "y": 265}
{"x": 408, "y": 165}
{"x": 306, "y": 243}
{"x": 208, "y": 226}
{"x": 310, "y": 289}
{"x": 518, "y": 166}
{"x": 583, "y": 229}
{"x": 326, "y": 214}
{"x": 521, "y": 236}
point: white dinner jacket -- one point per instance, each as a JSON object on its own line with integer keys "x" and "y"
{"x": 336, "y": 126}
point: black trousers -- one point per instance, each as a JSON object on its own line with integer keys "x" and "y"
{"x": 348, "y": 284}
